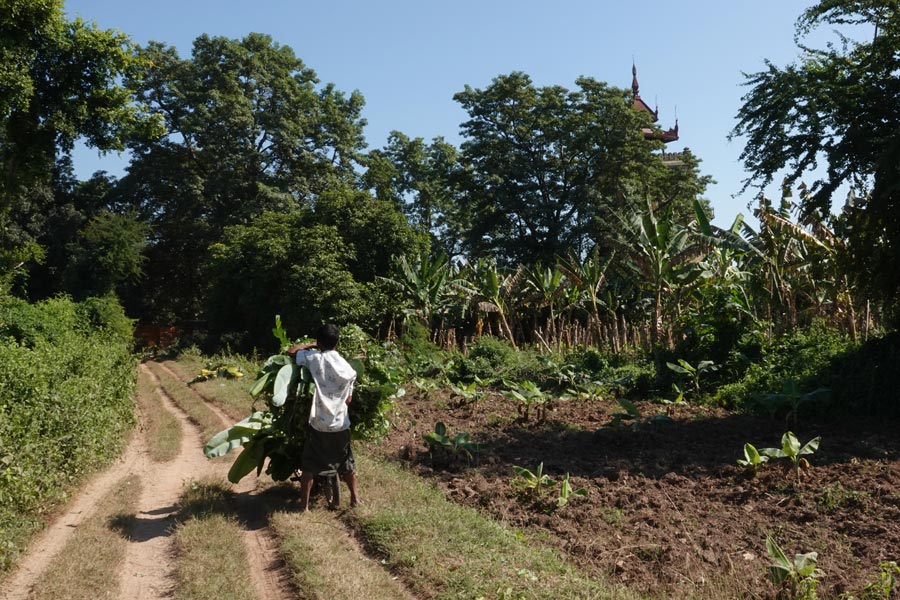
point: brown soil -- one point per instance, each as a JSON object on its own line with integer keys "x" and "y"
{"x": 669, "y": 512}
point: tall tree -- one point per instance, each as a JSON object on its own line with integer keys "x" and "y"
{"x": 424, "y": 180}
{"x": 248, "y": 130}
{"x": 544, "y": 161}
{"x": 839, "y": 106}
{"x": 60, "y": 81}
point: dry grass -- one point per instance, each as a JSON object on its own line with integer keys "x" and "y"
{"x": 162, "y": 427}
{"x": 211, "y": 558}
{"x": 189, "y": 402}
{"x": 88, "y": 566}
{"x": 326, "y": 562}
{"x": 231, "y": 395}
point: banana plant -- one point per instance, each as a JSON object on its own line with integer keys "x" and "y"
{"x": 664, "y": 256}
{"x": 791, "y": 448}
{"x": 752, "y": 460}
{"x": 566, "y": 492}
{"x": 446, "y": 448}
{"x": 589, "y": 276}
{"x": 533, "y": 483}
{"x": 798, "y": 576}
{"x": 528, "y": 395}
{"x": 493, "y": 291}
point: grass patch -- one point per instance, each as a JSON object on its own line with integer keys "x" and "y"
{"x": 88, "y": 567}
{"x": 189, "y": 402}
{"x": 443, "y": 550}
{"x": 324, "y": 563}
{"x": 162, "y": 427}
{"x": 210, "y": 555}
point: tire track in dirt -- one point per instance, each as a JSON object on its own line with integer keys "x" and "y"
{"x": 148, "y": 567}
{"x": 53, "y": 539}
{"x": 267, "y": 571}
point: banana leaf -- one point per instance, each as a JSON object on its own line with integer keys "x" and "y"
{"x": 251, "y": 458}
{"x": 285, "y": 381}
{"x": 235, "y": 436}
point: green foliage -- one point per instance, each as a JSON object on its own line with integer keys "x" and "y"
{"x": 281, "y": 264}
{"x": 789, "y": 401}
{"x": 585, "y": 147}
{"x": 528, "y": 395}
{"x": 45, "y": 107}
{"x": 469, "y": 393}
{"x": 632, "y": 417}
{"x": 446, "y": 450}
{"x": 492, "y": 359}
{"x": 65, "y": 406}
{"x": 835, "y": 133}
{"x": 536, "y": 485}
{"x": 832, "y": 498}
{"x": 791, "y": 448}
{"x": 888, "y": 574}
{"x": 796, "y": 578}
{"x": 863, "y": 380}
{"x": 804, "y": 355}
{"x": 752, "y": 460}
{"x": 691, "y": 372}
{"x": 249, "y": 130}
{"x": 567, "y": 492}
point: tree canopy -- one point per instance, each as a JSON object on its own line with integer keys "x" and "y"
{"x": 839, "y": 107}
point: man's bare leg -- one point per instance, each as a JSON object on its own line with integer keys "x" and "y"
{"x": 306, "y": 482}
{"x": 350, "y": 480}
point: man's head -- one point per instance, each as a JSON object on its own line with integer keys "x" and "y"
{"x": 327, "y": 337}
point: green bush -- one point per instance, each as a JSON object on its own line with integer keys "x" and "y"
{"x": 488, "y": 358}
{"x": 865, "y": 379}
{"x": 803, "y": 355}
{"x": 65, "y": 405}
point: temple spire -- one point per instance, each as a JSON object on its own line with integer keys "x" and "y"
{"x": 634, "y": 81}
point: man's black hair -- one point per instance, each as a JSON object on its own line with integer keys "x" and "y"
{"x": 327, "y": 337}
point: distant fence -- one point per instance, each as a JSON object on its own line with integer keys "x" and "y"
{"x": 156, "y": 336}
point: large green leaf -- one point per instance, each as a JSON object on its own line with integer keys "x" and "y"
{"x": 249, "y": 459}
{"x": 811, "y": 446}
{"x": 285, "y": 381}
{"x": 235, "y": 436}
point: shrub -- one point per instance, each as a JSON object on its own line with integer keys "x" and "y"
{"x": 66, "y": 385}
{"x": 803, "y": 355}
{"x": 490, "y": 359}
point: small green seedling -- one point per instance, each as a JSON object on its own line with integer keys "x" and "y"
{"x": 632, "y": 416}
{"x": 447, "y": 449}
{"x": 534, "y": 483}
{"x": 791, "y": 398}
{"x": 791, "y": 448}
{"x": 528, "y": 395}
{"x": 799, "y": 577}
{"x": 752, "y": 460}
{"x": 882, "y": 589}
{"x": 469, "y": 392}
{"x": 693, "y": 373}
{"x": 566, "y": 492}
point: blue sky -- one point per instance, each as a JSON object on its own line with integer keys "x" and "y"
{"x": 408, "y": 58}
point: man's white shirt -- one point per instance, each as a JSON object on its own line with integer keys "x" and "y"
{"x": 334, "y": 379}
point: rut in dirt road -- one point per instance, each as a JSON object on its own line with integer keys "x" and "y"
{"x": 147, "y": 572}
{"x": 266, "y": 569}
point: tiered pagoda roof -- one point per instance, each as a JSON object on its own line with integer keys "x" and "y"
{"x": 651, "y": 133}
